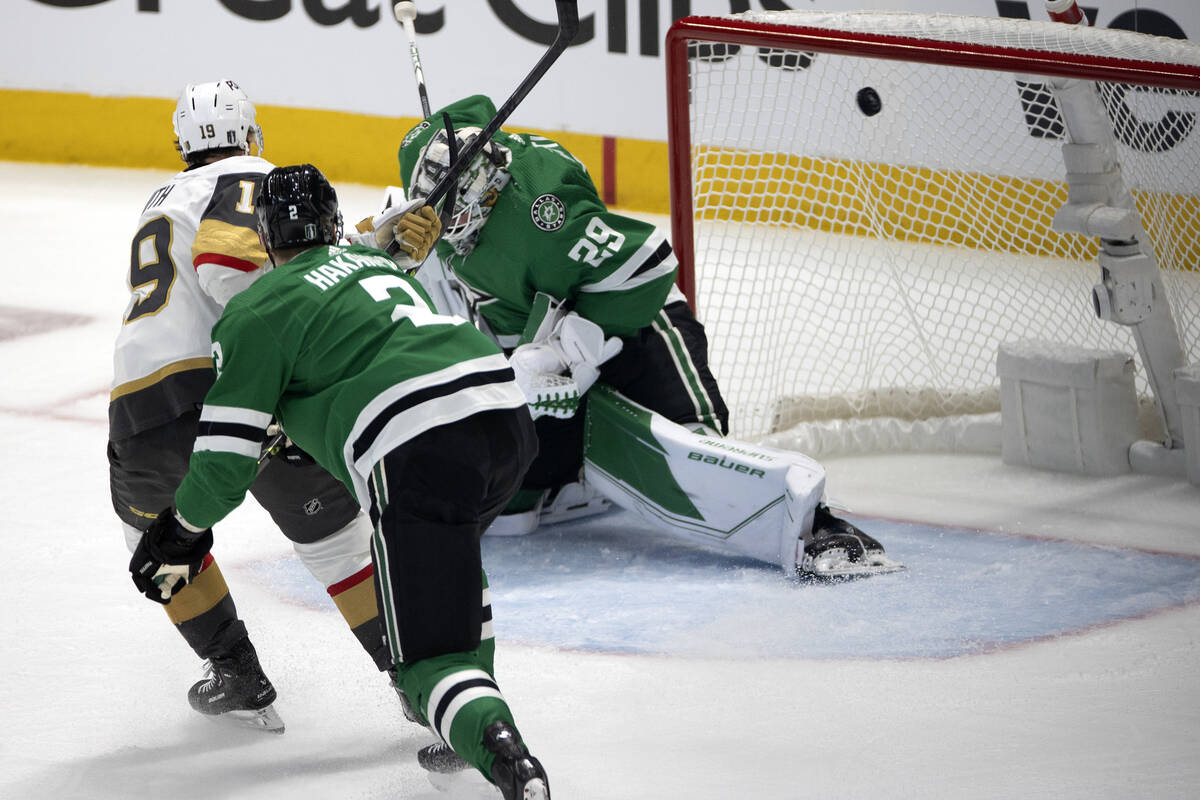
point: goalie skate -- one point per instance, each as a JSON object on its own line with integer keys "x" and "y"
{"x": 839, "y": 550}
{"x": 572, "y": 501}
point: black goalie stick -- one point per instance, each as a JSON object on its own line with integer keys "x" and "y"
{"x": 568, "y": 27}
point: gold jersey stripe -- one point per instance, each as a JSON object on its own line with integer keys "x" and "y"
{"x": 129, "y": 387}
{"x": 227, "y": 242}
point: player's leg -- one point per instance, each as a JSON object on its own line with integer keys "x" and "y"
{"x": 144, "y": 471}
{"x": 664, "y": 367}
{"x": 432, "y": 498}
{"x": 332, "y": 536}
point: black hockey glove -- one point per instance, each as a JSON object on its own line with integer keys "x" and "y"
{"x": 168, "y": 557}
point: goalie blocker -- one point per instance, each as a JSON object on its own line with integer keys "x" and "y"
{"x": 744, "y": 499}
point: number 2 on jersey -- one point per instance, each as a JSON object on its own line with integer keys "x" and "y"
{"x": 380, "y": 286}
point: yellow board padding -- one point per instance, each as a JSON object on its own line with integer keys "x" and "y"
{"x": 61, "y": 127}
{"x": 921, "y": 205}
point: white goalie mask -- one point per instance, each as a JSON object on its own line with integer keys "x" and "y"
{"x": 215, "y": 116}
{"x": 479, "y": 186}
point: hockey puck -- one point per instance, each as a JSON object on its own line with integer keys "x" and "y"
{"x": 868, "y": 101}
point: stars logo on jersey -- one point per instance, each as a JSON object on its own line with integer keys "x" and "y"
{"x": 548, "y": 212}
{"x": 414, "y": 133}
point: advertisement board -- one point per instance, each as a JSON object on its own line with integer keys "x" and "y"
{"x": 350, "y": 57}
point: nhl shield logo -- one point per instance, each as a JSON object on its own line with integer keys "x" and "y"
{"x": 548, "y": 212}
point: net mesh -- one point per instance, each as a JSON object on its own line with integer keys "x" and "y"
{"x": 868, "y": 231}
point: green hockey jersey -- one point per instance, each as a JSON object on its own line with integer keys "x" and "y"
{"x": 550, "y": 232}
{"x": 347, "y": 353}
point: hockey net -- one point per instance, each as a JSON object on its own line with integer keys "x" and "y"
{"x": 862, "y": 207}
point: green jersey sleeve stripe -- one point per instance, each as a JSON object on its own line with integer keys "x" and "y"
{"x": 648, "y": 264}
{"x": 243, "y": 416}
{"x": 228, "y": 444}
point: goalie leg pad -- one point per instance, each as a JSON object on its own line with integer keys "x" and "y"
{"x": 745, "y": 499}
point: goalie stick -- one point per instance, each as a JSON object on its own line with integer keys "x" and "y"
{"x": 405, "y": 12}
{"x": 568, "y": 27}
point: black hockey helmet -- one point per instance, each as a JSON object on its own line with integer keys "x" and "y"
{"x": 297, "y": 207}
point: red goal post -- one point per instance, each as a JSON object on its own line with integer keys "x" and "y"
{"x": 726, "y": 178}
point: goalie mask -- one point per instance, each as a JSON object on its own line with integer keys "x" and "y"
{"x": 479, "y": 186}
{"x": 297, "y": 207}
{"x": 214, "y": 116}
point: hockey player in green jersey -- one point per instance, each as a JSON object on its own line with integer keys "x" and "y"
{"x": 417, "y": 412}
{"x": 537, "y": 258}
{"x": 612, "y": 360}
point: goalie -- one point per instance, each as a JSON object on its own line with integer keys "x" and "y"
{"x": 608, "y": 353}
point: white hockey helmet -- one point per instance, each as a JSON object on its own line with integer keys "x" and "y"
{"x": 215, "y": 116}
{"x": 479, "y": 185}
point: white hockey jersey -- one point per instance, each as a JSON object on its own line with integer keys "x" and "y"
{"x": 196, "y": 246}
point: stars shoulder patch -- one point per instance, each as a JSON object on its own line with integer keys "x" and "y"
{"x": 548, "y": 212}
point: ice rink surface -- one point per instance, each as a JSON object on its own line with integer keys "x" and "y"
{"x": 1044, "y": 642}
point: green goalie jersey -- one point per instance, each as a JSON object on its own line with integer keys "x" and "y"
{"x": 348, "y": 355}
{"x": 550, "y": 232}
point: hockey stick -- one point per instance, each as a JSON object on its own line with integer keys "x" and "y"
{"x": 406, "y": 12}
{"x": 568, "y": 26}
{"x": 452, "y": 193}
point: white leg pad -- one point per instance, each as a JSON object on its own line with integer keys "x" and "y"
{"x": 746, "y": 499}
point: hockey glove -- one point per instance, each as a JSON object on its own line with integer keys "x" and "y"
{"x": 583, "y": 348}
{"x": 407, "y": 232}
{"x": 548, "y": 393}
{"x": 168, "y": 557}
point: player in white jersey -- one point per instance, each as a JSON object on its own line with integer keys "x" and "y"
{"x": 195, "y": 247}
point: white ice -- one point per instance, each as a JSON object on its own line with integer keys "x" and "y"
{"x": 92, "y": 678}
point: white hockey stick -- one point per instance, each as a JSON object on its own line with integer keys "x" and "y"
{"x": 406, "y": 12}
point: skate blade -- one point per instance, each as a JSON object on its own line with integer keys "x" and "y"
{"x": 834, "y": 566}
{"x": 589, "y": 508}
{"x": 469, "y": 783}
{"x": 266, "y": 719}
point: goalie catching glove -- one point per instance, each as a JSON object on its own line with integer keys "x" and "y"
{"x": 168, "y": 557}
{"x": 407, "y": 232}
{"x": 559, "y": 369}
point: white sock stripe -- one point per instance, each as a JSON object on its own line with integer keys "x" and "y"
{"x": 447, "y": 683}
{"x": 456, "y": 705}
{"x": 487, "y": 597}
{"x": 486, "y": 631}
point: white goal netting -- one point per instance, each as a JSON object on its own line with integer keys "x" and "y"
{"x": 868, "y": 229}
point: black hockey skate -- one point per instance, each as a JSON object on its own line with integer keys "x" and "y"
{"x": 517, "y": 774}
{"x": 236, "y": 689}
{"x": 839, "y": 550}
{"x": 440, "y": 758}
